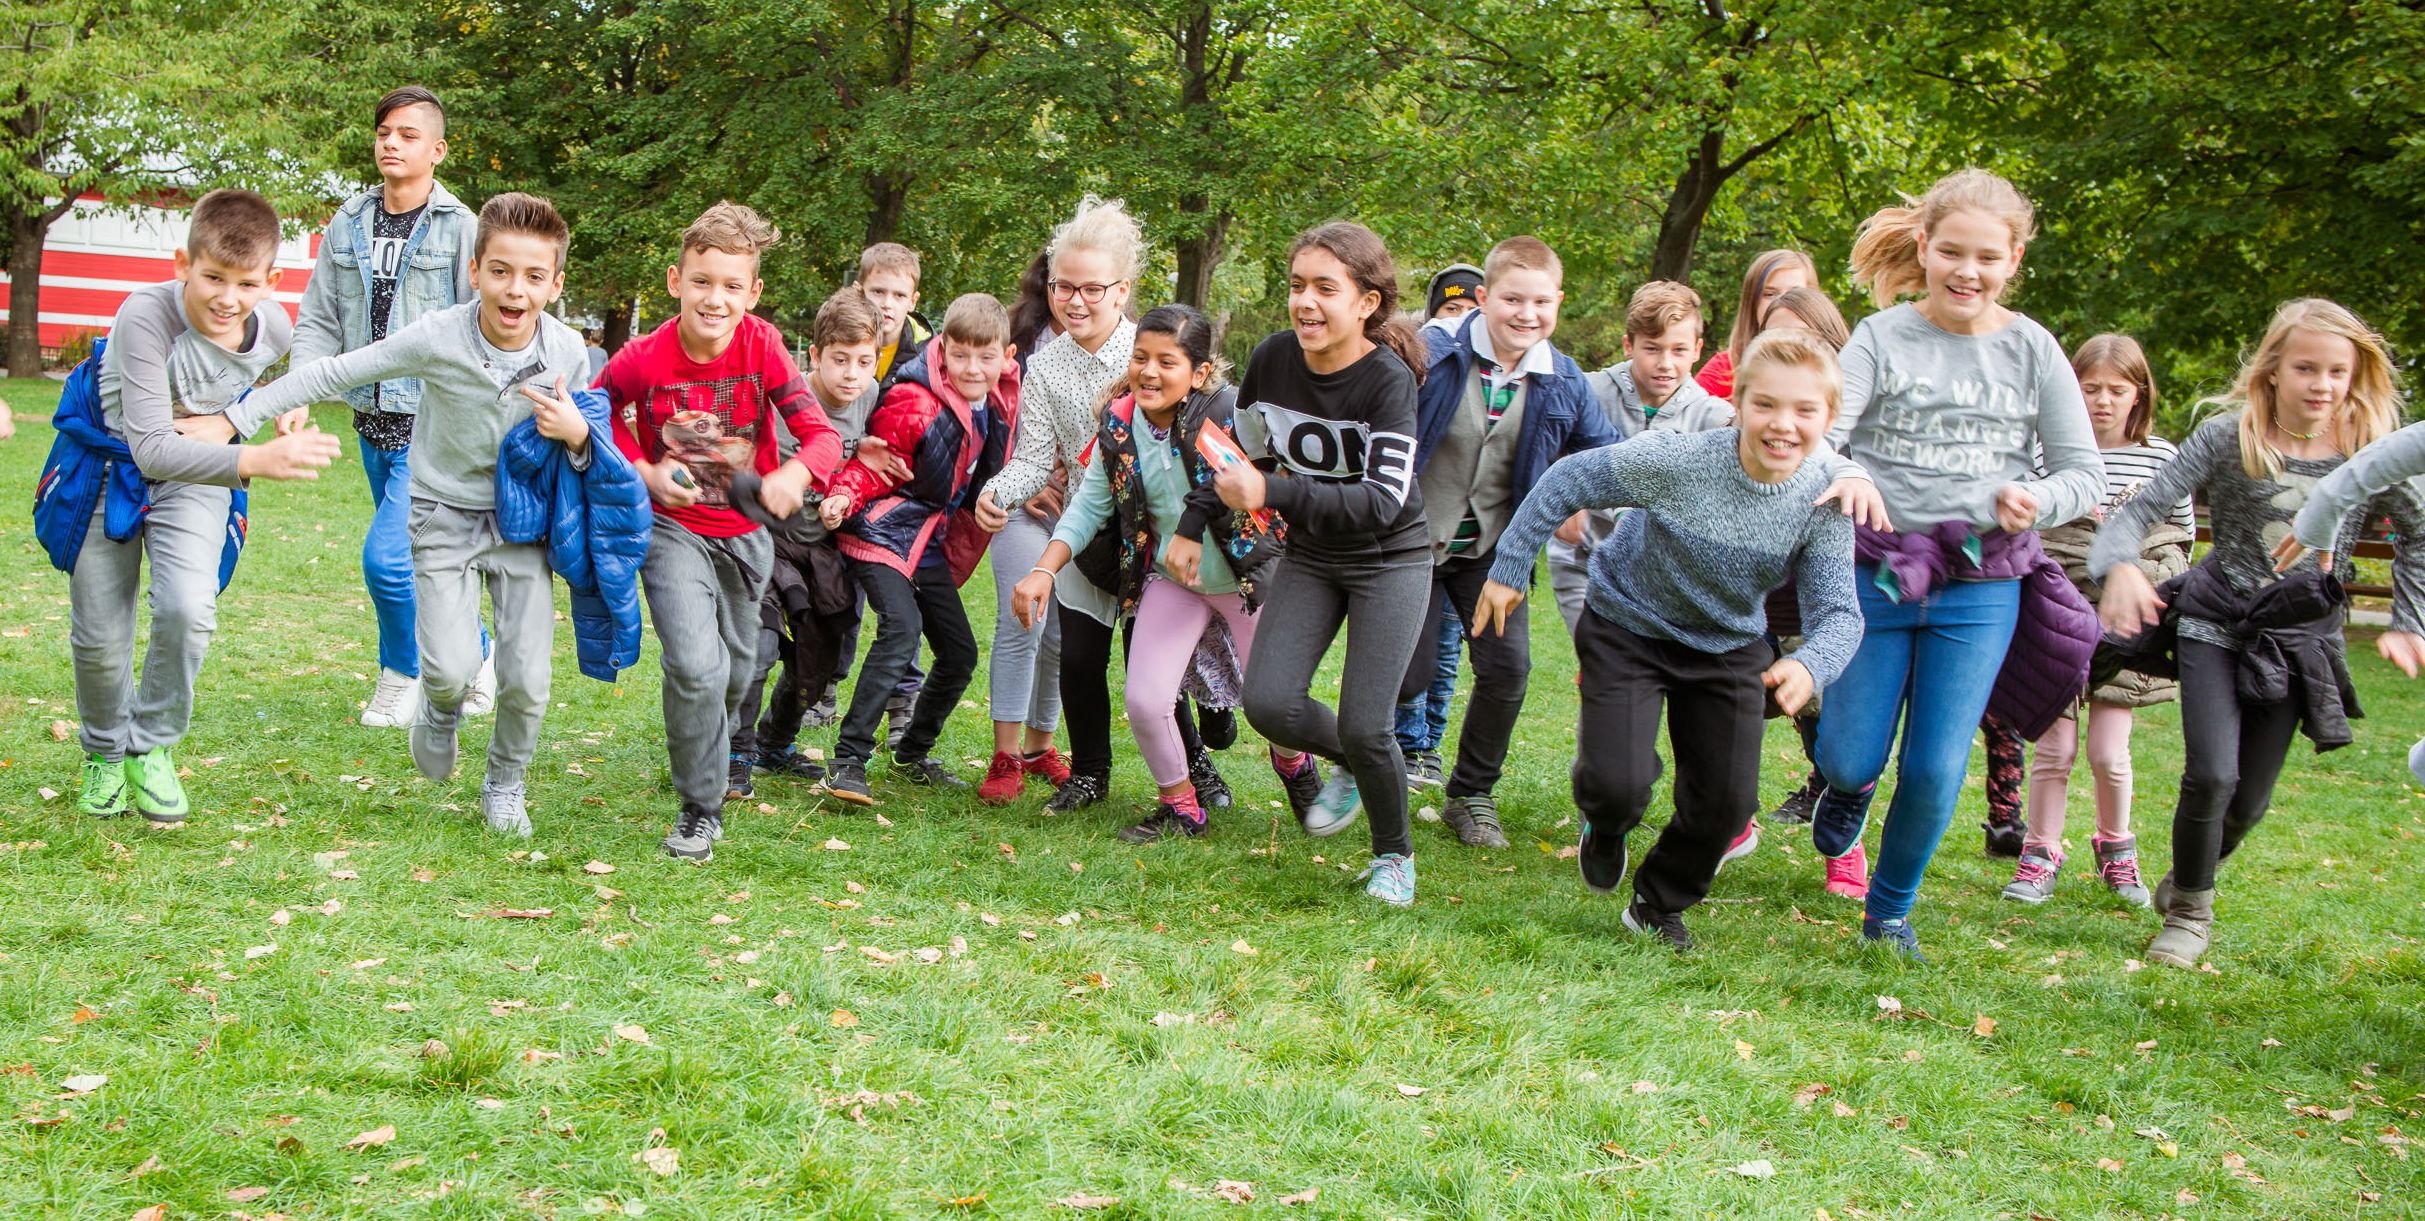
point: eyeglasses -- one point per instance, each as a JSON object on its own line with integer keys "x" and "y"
{"x": 1092, "y": 293}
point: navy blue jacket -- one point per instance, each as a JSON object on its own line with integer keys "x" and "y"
{"x": 91, "y": 468}
{"x": 1561, "y": 415}
{"x": 927, "y": 422}
{"x": 595, "y": 523}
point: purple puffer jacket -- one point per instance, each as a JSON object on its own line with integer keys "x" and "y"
{"x": 2046, "y": 667}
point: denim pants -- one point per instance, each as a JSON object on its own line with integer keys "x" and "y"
{"x": 1929, "y": 665}
{"x": 1423, "y": 720}
{"x": 387, "y": 556}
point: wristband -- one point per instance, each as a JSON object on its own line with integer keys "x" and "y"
{"x": 1042, "y": 569}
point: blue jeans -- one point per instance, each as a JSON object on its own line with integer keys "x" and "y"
{"x": 1423, "y": 721}
{"x": 387, "y": 557}
{"x": 1938, "y": 658}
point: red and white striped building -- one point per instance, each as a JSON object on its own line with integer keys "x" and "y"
{"x": 97, "y": 254}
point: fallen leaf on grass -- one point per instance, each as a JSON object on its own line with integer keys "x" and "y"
{"x": 1845, "y": 1112}
{"x": 598, "y": 867}
{"x": 1744, "y": 1050}
{"x": 1412, "y": 1091}
{"x": 245, "y": 1195}
{"x": 151, "y": 1165}
{"x": 844, "y": 1019}
{"x": 156, "y": 1212}
{"x": 47, "y": 793}
{"x": 1811, "y": 1093}
{"x": 83, "y": 1014}
{"x": 1307, "y": 1196}
{"x": 991, "y": 920}
{"x": 374, "y": 1138}
{"x": 632, "y": 1033}
{"x": 540, "y": 1055}
{"x": 260, "y": 951}
{"x": 84, "y": 1084}
{"x": 1888, "y": 1004}
{"x": 1984, "y": 1027}
{"x": 281, "y": 917}
{"x": 517, "y": 913}
{"x": 2109, "y": 1166}
{"x": 1760, "y": 1169}
{"x": 782, "y": 1000}
{"x": 1646, "y": 1087}
{"x": 1234, "y": 1191}
{"x": 60, "y": 731}
{"x": 879, "y": 956}
{"x": 1086, "y": 1201}
{"x": 835, "y": 845}
{"x": 928, "y": 954}
{"x": 424, "y": 875}
{"x": 663, "y": 1161}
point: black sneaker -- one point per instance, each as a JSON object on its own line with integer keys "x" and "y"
{"x": 1796, "y": 809}
{"x": 693, "y": 837}
{"x": 1423, "y": 769}
{"x": 848, "y": 781}
{"x": 737, "y": 783}
{"x": 1212, "y": 792}
{"x": 825, "y": 711}
{"x": 790, "y": 763}
{"x": 1666, "y": 926}
{"x": 2003, "y": 838}
{"x": 1078, "y": 792}
{"x": 929, "y": 773}
{"x": 1304, "y": 788}
{"x": 1164, "y": 823}
{"x": 1475, "y": 820}
{"x": 897, "y": 712}
{"x": 1603, "y": 861}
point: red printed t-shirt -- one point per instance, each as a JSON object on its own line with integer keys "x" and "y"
{"x": 713, "y": 415}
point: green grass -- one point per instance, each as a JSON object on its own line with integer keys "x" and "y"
{"x": 1103, "y": 1032}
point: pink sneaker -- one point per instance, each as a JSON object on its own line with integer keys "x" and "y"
{"x": 1744, "y": 845}
{"x": 1848, "y": 875}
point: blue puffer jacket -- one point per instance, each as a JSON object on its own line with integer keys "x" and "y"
{"x": 595, "y": 522}
{"x": 1561, "y": 416}
{"x": 91, "y": 468}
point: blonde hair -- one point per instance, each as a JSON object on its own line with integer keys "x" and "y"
{"x": 977, "y": 319}
{"x": 1103, "y": 226}
{"x": 1792, "y": 348}
{"x": 731, "y": 228}
{"x": 1886, "y": 252}
{"x": 1659, "y": 305}
{"x": 1755, "y": 279}
{"x": 1525, "y": 253}
{"x": 2371, "y": 411}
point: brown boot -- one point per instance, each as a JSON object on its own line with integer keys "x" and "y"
{"x": 2188, "y": 918}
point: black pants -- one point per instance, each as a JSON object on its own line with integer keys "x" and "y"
{"x": 810, "y": 647}
{"x": 1502, "y": 668}
{"x": 1714, "y": 703}
{"x": 906, "y": 608}
{"x": 1086, "y": 695}
{"x": 2231, "y": 755}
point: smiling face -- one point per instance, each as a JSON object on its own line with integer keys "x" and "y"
{"x": 517, "y": 276}
{"x": 1160, "y": 375}
{"x": 2312, "y": 380}
{"x": 1782, "y": 416}
{"x": 1968, "y": 258}
{"x": 1520, "y": 309}
{"x": 841, "y": 372}
{"x": 894, "y": 294}
{"x": 1661, "y": 362}
{"x": 408, "y": 144}
{"x": 1325, "y": 307}
{"x": 973, "y": 368}
{"x": 1077, "y": 275}
{"x": 220, "y": 297}
{"x": 717, "y": 288}
{"x": 2110, "y": 396}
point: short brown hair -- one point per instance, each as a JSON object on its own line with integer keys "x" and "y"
{"x": 517, "y": 212}
{"x": 846, "y": 317}
{"x": 2123, "y": 355}
{"x": 409, "y": 95}
{"x": 1659, "y": 305}
{"x": 731, "y": 228}
{"x": 888, "y": 256}
{"x": 1521, "y": 254}
{"x": 236, "y": 228}
{"x": 976, "y": 318}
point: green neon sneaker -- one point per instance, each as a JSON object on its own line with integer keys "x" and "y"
{"x": 104, "y": 787}
{"x": 158, "y": 794}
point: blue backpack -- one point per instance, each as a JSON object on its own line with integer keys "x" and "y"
{"x": 89, "y": 468}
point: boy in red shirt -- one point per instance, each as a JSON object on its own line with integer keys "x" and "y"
{"x": 695, "y": 401}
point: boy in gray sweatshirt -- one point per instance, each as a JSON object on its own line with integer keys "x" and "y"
{"x": 179, "y": 353}
{"x": 484, "y": 367}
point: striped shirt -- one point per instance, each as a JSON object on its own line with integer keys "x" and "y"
{"x": 2132, "y": 467}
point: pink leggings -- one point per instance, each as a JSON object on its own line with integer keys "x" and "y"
{"x": 1170, "y": 620}
{"x": 2108, "y": 760}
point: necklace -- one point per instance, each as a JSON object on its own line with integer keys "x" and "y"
{"x": 2288, "y": 431}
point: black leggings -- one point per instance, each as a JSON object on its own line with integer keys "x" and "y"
{"x": 1086, "y": 695}
{"x": 2232, "y": 754}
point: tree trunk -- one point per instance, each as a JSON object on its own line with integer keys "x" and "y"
{"x": 887, "y": 194}
{"x": 1688, "y": 206}
{"x": 1200, "y": 250}
{"x": 26, "y": 231}
{"x": 618, "y": 329}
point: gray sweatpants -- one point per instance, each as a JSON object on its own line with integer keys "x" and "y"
{"x": 183, "y": 536}
{"x": 703, "y": 596}
{"x": 1570, "y": 580}
{"x": 456, "y": 552}
{"x": 1023, "y": 674}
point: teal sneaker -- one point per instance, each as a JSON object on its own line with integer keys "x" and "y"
{"x": 1391, "y": 879}
{"x": 158, "y": 795}
{"x": 1335, "y": 807}
{"x": 104, "y": 787}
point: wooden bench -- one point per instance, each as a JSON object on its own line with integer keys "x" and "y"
{"x": 2367, "y": 549}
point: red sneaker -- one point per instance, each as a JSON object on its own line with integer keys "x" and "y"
{"x": 1004, "y": 780}
{"x": 1848, "y": 875}
{"x": 1744, "y": 845}
{"x": 1049, "y": 764}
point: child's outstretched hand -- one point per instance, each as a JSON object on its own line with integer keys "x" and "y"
{"x": 784, "y": 490}
{"x": 2290, "y": 551}
{"x": 293, "y": 421}
{"x": 297, "y": 455}
{"x": 832, "y": 512}
{"x": 2403, "y": 649}
{"x": 2129, "y": 605}
{"x": 2016, "y": 509}
{"x": 1791, "y": 682}
{"x": 1859, "y": 499}
{"x": 1494, "y": 606}
{"x": 874, "y": 454}
{"x": 558, "y": 420}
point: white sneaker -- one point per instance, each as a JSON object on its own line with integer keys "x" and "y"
{"x": 482, "y": 698}
{"x": 395, "y": 703}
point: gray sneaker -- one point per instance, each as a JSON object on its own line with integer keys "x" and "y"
{"x": 433, "y": 748}
{"x": 1335, "y": 807}
{"x": 1391, "y": 879}
{"x": 1423, "y": 769}
{"x": 501, "y": 805}
{"x": 825, "y": 711}
{"x": 693, "y": 837}
{"x": 1475, "y": 820}
{"x": 897, "y": 712}
{"x": 2033, "y": 880}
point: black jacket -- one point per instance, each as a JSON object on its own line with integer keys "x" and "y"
{"x": 2291, "y": 645}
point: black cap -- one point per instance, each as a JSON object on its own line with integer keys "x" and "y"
{"x": 1455, "y": 282}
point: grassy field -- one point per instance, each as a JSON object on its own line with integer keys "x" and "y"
{"x": 333, "y": 994}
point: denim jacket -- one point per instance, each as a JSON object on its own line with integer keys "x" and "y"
{"x": 335, "y": 315}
